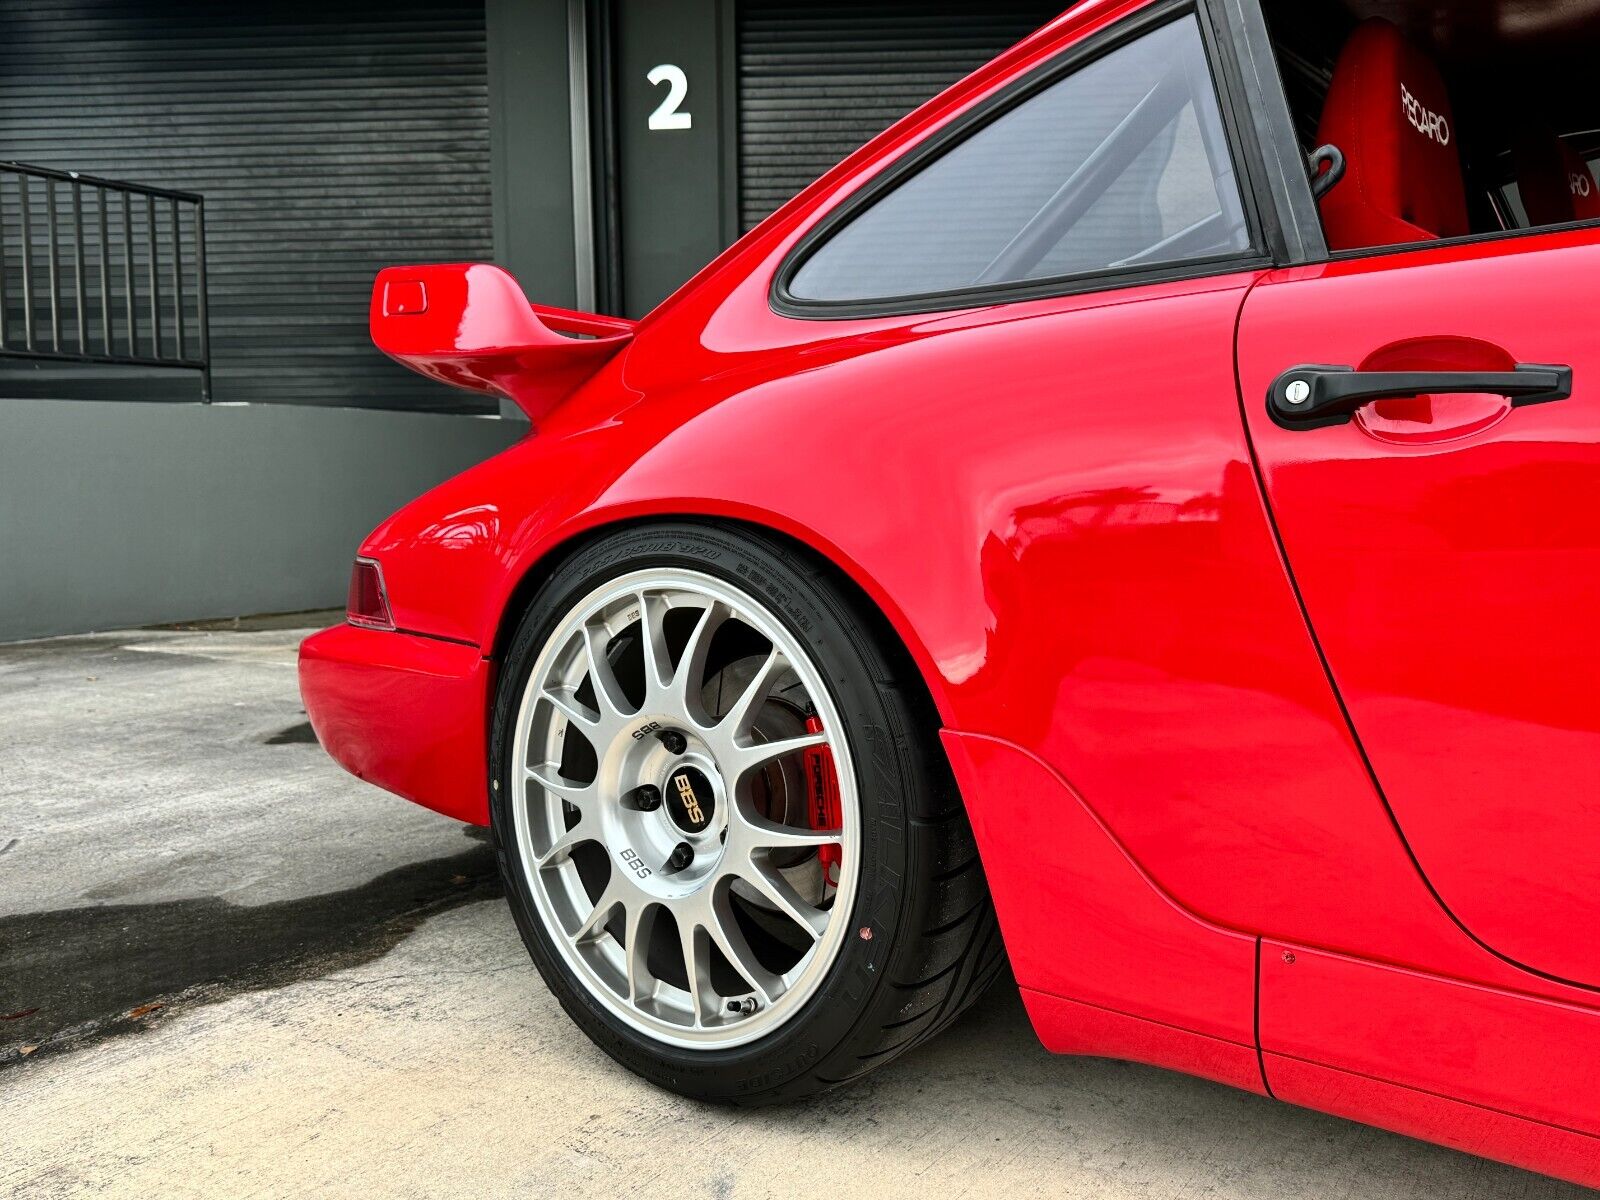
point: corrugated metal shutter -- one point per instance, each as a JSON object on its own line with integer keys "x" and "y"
{"x": 818, "y": 80}
{"x": 329, "y": 138}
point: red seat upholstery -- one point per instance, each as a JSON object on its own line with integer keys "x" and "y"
{"x": 1557, "y": 186}
{"x": 1390, "y": 113}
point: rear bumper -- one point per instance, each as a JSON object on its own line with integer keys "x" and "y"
{"x": 407, "y": 713}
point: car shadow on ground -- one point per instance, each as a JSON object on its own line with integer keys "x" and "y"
{"x": 1168, "y": 1127}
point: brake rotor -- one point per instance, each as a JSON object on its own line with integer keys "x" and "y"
{"x": 799, "y": 793}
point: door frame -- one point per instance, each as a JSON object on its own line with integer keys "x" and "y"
{"x": 1282, "y": 178}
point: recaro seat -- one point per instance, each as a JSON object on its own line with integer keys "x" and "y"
{"x": 1390, "y": 113}
{"x": 1557, "y": 186}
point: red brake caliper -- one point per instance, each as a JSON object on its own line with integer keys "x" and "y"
{"x": 823, "y": 810}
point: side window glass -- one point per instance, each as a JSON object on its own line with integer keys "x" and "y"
{"x": 1121, "y": 164}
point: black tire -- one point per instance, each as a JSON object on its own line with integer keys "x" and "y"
{"x": 933, "y": 946}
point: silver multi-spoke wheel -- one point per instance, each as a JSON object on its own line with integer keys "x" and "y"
{"x": 729, "y": 836}
{"x": 685, "y": 809}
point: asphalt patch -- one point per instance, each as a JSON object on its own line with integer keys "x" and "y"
{"x": 76, "y": 975}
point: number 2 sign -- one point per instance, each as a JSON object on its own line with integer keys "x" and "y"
{"x": 667, "y": 114}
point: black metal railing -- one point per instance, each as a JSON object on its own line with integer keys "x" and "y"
{"x": 98, "y": 271}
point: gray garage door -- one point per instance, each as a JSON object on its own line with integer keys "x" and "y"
{"x": 329, "y": 137}
{"x": 818, "y": 80}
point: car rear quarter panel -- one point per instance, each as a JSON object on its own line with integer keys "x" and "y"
{"x": 1055, "y": 506}
{"x": 972, "y": 474}
{"x": 1053, "y": 503}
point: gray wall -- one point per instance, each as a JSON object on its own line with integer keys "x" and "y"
{"x": 530, "y": 150}
{"x": 675, "y": 185}
{"x": 330, "y": 138}
{"x": 530, "y": 146}
{"x": 118, "y": 514}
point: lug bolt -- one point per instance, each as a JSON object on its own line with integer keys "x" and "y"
{"x": 682, "y": 855}
{"x": 674, "y": 741}
{"x": 744, "y": 1007}
{"x": 646, "y": 798}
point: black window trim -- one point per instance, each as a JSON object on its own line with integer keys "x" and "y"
{"x": 1489, "y": 238}
{"x": 1282, "y": 173}
{"x": 1268, "y": 245}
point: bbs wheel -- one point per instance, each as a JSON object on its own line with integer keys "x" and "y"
{"x": 728, "y": 834}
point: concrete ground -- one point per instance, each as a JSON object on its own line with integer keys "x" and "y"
{"x": 228, "y": 969}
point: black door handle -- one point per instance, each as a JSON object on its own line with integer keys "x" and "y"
{"x": 1311, "y": 397}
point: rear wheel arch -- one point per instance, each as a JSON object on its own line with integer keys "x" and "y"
{"x": 928, "y": 942}
{"x": 886, "y": 631}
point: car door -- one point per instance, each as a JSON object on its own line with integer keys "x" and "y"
{"x": 1427, "y": 426}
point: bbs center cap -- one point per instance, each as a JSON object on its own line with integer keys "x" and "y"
{"x": 689, "y": 799}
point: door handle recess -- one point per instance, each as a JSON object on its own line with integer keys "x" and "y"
{"x": 1311, "y": 397}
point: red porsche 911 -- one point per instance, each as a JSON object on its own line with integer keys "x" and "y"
{"x": 1138, "y": 518}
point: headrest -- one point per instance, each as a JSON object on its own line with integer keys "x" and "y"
{"x": 1556, "y": 184}
{"x": 1390, "y": 113}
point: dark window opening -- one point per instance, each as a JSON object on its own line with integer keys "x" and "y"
{"x": 1490, "y": 99}
{"x": 1121, "y": 164}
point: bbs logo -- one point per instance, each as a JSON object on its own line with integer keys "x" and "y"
{"x": 1429, "y": 124}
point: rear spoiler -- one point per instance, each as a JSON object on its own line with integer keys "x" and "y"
{"x": 469, "y": 325}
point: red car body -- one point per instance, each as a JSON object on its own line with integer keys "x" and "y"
{"x": 1279, "y": 745}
